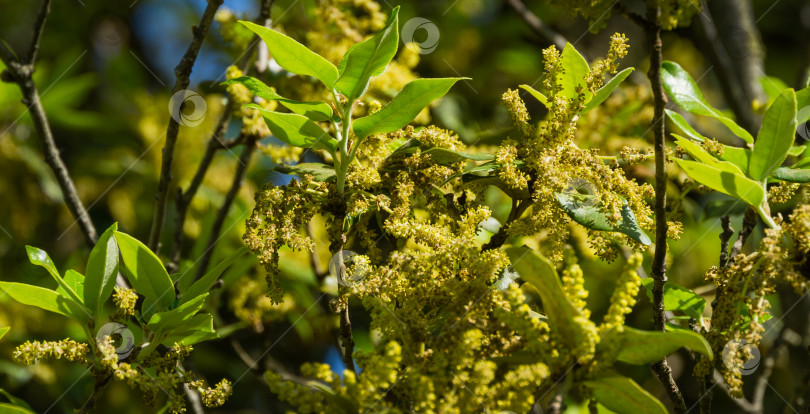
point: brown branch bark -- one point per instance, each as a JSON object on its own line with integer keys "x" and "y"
{"x": 182, "y": 73}
{"x": 498, "y": 239}
{"x": 659, "y": 276}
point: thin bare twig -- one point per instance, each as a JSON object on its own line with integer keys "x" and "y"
{"x": 659, "y": 266}
{"x": 20, "y": 72}
{"x": 537, "y": 25}
{"x": 182, "y": 73}
{"x": 239, "y": 176}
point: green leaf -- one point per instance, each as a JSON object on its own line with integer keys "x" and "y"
{"x": 725, "y": 182}
{"x": 294, "y": 56}
{"x": 440, "y": 155}
{"x": 699, "y": 154}
{"x": 605, "y": 91}
{"x": 75, "y": 280}
{"x": 368, "y": 59}
{"x": 40, "y": 257}
{"x": 45, "y": 299}
{"x": 575, "y": 69}
{"x": 685, "y": 92}
{"x": 3, "y": 332}
{"x": 146, "y": 273}
{"x": 775, "y": 137}
{"x": 316, "y": 111}
{"x": 639, "y": 347}
{"x": 536, "y": 270}
{"x": 622, "y": 395}
{"x": 537, "y": 94}
{"x": 19, "y": 402}
{"x": 583, "y": 209}
{"x": 321, "y": 172}
{"x": 203, "y": 284}
{"x": 102, "y": 270}
{"x": 296, "y": 130}
{"x": 737, "y": 156}
{"x": 175, "y": 318}
{"x": 197, "y": 329}
{"x": 687, "y": 129}
{"x": 404, "y": 107}
{"x": 772, "y": 86}
{"x": 7, "y": 408}
{"x": 792, "y": 175}
{"x": 678, "y": 298}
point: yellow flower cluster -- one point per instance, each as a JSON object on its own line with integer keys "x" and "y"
{"x": 782, "y": 256}
{"x": 624, "y": 296}
{"x": 125, "y": 300}
{"x": 32, "y": 351}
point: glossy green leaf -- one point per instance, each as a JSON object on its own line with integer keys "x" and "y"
{"x": 685, "y": 92}
{"x": 681, "y": 123}
{"x": 775, "y": 137}
{"x": 772, "y": 86}
{"x": 639, "y": 347}
{"x": 584, "y": 209}
{"x": 415, "y": 96}
{"x": 368, "y": 59}
{"x": 45, "y": 299}
{"x": 197, "y": 329}
{"x": 294, "y": 56}
{"x": 3, "y": 331}
{"x": 575, "y": 69}
{"x": 321, "y": 172}
{"x": 316, "y": 111}
{"x": 737, "y": 156}
{"x": 146, "y": 273}
{"x": 203, "y": 284}
{"x": 698, "y": 153}
{"x": 793, "y": 175}
{"x": 40, "y": 257}
{"x": 725, "y": 182}
{"x": 175, "y": 318}
{"x": 604, "y": 92}
{"x": 539, "y": 272}
{"x": 622, "y": 395}
{"x": 7, "y": 408}
{"x": 537, "y": 94}
{"x": 75, "y": 280}
{"x": 678, "y": 298}
{"x": 296, "y": 130}
{"x": 102, "y": 270}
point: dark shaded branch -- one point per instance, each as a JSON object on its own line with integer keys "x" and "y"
{"x": 725, "y": 238}
{"x": 346, "y": 338}
{"x": 737, "y": 29}
{"x": 659, "y": 265}
{"x": 537, "y": 25}
{"x": 182, "y": 73}
{"x": 498, "y": 239}
{"x": 184, "y": 198}
{"x": 216, "y": 229}
{"x": 705, "y": 36}
{"x": 39, "y": 24}
{"x": 749, "y": 222}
